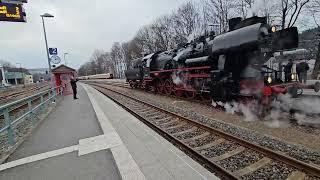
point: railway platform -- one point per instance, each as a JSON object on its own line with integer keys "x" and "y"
{"x": 94, "y": 138}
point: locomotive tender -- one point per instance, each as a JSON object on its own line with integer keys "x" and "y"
{"x": 227, "y": 67}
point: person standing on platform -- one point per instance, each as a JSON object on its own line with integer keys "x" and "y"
{"x": 304, "y": 72}
{"x": 73, "y": 83}
{"x": 298, "y": 70}
{"x": 287, "y": 70}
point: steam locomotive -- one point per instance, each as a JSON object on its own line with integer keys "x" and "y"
{"x": 224, "y": 68}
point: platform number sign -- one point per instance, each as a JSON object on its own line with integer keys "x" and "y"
{"x": 53, "y": 51}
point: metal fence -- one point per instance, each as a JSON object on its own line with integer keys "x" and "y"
{"x": 32, "y": 105}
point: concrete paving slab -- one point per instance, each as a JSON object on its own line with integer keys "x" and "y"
{"x": 95, "y": 166}
{"x": 67, "y": 145}
{"x": 70, "y": 121}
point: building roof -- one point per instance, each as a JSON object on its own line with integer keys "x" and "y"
{"x": 20, "y": 70}
{"x": 63, "y": 69}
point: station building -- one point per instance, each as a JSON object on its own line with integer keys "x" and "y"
{"x": 16, "y": 76}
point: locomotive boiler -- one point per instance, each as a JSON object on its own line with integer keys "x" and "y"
{"x": 226, "y": 67}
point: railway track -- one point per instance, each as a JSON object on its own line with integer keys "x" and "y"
{"x": 7, "y": 96}
{"x": 232, "y": 157}
{"x": 311, "y": 122}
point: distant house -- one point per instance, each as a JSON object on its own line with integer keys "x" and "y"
{"x": 40, "y": 74}
{"x": 17, "y": 76}
{"x": 28, "y": 79}
{"x": 38, "y": 71}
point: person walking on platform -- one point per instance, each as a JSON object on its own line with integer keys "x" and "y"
{"x": 73, "y": 83}
{"x": 287, "y": 70}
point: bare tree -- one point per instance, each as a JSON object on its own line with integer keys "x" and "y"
{"x": 220, "y": 11}
{"x": 290, "y": 11}
{"x": 314, "y": 9}
{"x": 98, "y": 61}
{"x": 186, "y": 22}
{"x": 243, "y": 7}
{"x": 117, "y": 59}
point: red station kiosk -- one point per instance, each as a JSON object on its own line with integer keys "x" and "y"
{"x": 62, "y": 75}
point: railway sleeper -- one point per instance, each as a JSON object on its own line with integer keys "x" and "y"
{"x": 228, "y": 154}
{"x": 296, "y": 175}
{"x": 214, "y": 143}
{"x": 196, "y": 137}
{"x": 253, "y": 167}
{"x": 174, "y": 127}
{"x": 186, "y": 131}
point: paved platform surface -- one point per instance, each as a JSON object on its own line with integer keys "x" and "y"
{"x": 71, "y": 121}
{"x": 93, "y": 138}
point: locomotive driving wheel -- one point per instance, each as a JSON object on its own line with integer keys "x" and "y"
{"x": 168, "y": 87}
{"x": 204, "y": 97}
{"x": 160, "y": 86}
{"x": 131, "y": 84}
{"x": 177, "y": 90}
{"x": 190, "y": 94}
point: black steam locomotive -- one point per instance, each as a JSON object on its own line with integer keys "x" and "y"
{"x": 224, "y": 67}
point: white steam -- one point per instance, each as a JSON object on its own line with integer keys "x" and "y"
{"x": 276, "y": 119}
{"x": 308, "y": 110}
{"x": 176, "y": 80}
{"x": 234, "y": 107}
{"x": 248, "y": 113}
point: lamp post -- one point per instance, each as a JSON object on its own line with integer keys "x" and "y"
{"x": 46, "y": 15}
{"x": 64, "y": 57}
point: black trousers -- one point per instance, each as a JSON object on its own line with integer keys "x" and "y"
{"x": 287, "y": 77}
{"x": 74, "y": 93}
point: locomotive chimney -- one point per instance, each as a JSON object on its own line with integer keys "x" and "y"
{"x": 234, "y": 22}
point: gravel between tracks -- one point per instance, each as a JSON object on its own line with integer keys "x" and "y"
{"x": 202, "y": 141}
{"x": 240, "y": 160}
{"x": 219, "y": 149}
{"x": 276, "y": 171}
{"x": 195, "y": 111}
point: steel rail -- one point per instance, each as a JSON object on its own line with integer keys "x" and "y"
{"x": 201, "y": 158}
{"x": 308, "y": 168}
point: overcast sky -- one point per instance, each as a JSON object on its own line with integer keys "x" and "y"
{"x": 79, "y": 27}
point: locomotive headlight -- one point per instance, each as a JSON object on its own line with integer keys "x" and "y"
{"x": 293, "y": 76}
{"x": 269, "y": 80}
{"x": 273, "y": 28}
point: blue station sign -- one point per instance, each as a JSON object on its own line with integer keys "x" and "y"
{"x": 53, "y": 51}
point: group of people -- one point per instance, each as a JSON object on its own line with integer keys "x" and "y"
{"x": 301, "y": 69}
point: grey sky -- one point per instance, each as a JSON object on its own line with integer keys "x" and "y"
{"x": 79, "y": 27}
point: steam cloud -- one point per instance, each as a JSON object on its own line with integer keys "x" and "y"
{"x": 307, "y": 111}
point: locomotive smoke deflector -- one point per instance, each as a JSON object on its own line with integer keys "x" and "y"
{"x": 285, "y": 39}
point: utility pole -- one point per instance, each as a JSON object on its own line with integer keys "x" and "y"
{"x": 46, "y": 15}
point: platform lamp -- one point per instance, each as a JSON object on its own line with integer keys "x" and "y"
{"x": 47, "y": 15}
